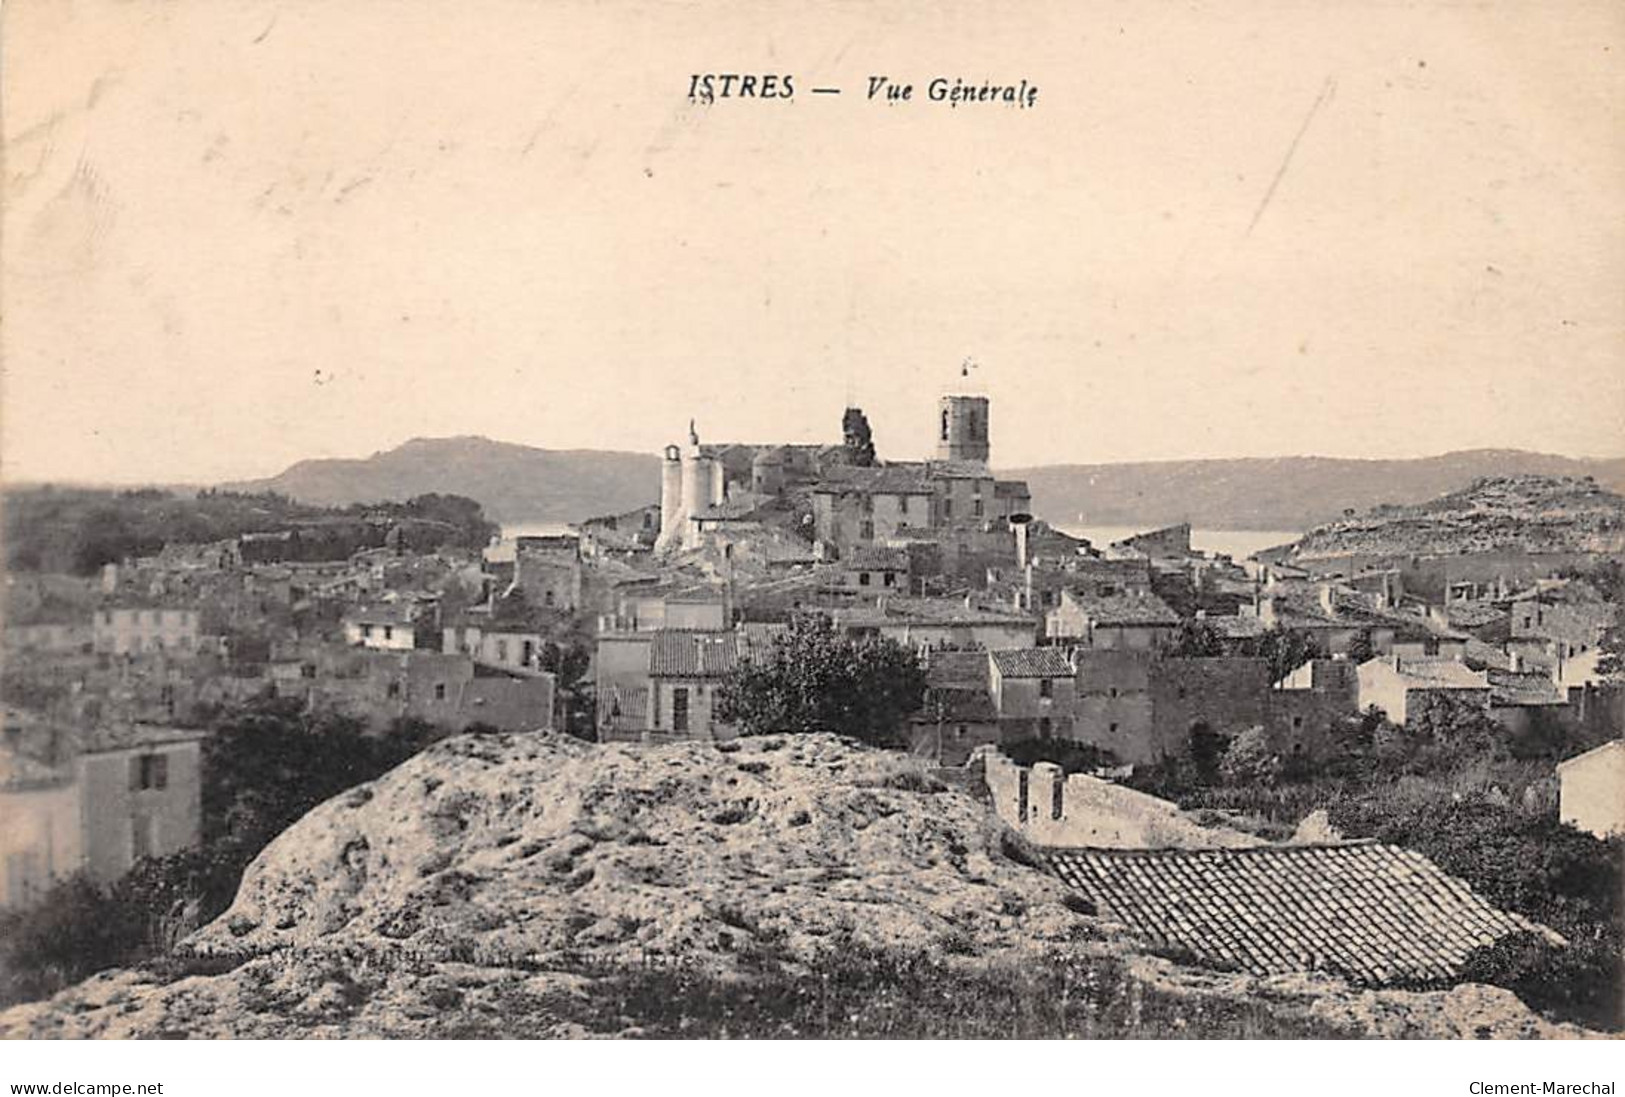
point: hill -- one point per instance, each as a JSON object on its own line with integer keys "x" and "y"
{"x": 523, "y": 484}
{"x": 1284, "y": 493}
{"x": 512, "y": 483}
{"x": 534, "y": 885}
{"x": 1522, "y": 514}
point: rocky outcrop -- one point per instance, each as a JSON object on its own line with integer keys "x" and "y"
{"x": 479, "y": 886}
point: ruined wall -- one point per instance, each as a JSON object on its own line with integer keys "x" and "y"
{"x": 1051, "y": 809}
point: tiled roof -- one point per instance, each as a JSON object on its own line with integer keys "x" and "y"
{"x": 1473, "y": 614}
{"x": 1438, "y": 673}
{"x": 1509, "y": 687}
{"x": 1032, "y": 663}
{"x": 901, "y": 610}
{"x": 1016, "y": 489}
{"x": 693, "y": 654}
{"x": 393, "y": 613}
{"x": 885, "y": 480}
{"x": 1373, "y": 914}
{"x": 1124, "y": 609}
{"x": 876, "y": 558}
{"x": 958, "y": 470}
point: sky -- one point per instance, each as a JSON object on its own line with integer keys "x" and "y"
{"x": 240, "y": 234}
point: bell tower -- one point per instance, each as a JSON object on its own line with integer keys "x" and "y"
{"x": 962, "y": 429}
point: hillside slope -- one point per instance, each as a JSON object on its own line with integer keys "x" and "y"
{"x": 512, "y": 483}
{"x": 532, "y": 885}
{"x": 1522, "y": 514}
{"x": 1284, "y": 493}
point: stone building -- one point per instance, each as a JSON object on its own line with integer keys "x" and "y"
{"x": 1033, "y": 691}
{"x": 547, "y": 570}
{"x": 127, "y": 792}
{"x": 390, "y": 626}
{"x": 1393, "y": 683}
{"x": 1119, "y": 621}
{"x": 143, "y": 629}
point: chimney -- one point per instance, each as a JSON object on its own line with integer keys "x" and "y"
{"x": 1020, "y": 527}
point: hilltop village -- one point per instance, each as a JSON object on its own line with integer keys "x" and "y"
{"x": 1036, "y": 645}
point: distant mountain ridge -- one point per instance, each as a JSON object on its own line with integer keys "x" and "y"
{"x": 1277, "y": 493}
{"x": 513, "y": 483}
{"x": 523, "y": 484}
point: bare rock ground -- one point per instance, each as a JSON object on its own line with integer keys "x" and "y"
{"x": 487, "y": 885}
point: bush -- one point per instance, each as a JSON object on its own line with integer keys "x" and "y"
{"x": 1071, "y": 756}
{"x": 1248, "y": 760}
{"x": 1579, "y": 982}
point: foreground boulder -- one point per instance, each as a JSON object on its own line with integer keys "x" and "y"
{"x": 534, "y": 885}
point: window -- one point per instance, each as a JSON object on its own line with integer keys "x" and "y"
{"x": 976, "y": 507}
{"x": 1111, "y": 691}
{"x": 902, "y": 505}
{"x": 1046, "y": 687}
{"x": 1057, "y": 798}
{"x": 1044, "y": 726}
{"x": 1112, "y": 728}
{"x": 440, "y": 691}
{"x": 389, "y": 632}
{"x": 866, "y": 503}
{"x": 947, "y": 508}
{"x": 867, "y": 531}
{"x": 891, "y": 579}
{"x": 393, "y": 690}
{"x": 679, "y": 709}
{"x": 863, "y": 578}
{"x": 548, "y": 597}
{"x": 1297, "y": 722}
{"x": 366, "y": 632}
{"x": 148, "y": 772}
{"x": 944, "y": 424}
{"x": 959, "y": 731}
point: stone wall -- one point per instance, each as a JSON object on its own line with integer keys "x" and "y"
{"x": 1049, "y": 808}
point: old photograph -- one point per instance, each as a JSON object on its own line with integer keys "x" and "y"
{"x": 663, "y": 521}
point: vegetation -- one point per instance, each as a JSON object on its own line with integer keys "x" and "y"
{"x": 816, "y": 679}
{"x": 266, "y": 764}
{"x": 1071, "y": 756}
{"x": 1480, "y": 803}
{"x": 78, "y": 530}
{"x": 1284, "y": 649}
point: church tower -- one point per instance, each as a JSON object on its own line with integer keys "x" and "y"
{"x": 962, "y": 429}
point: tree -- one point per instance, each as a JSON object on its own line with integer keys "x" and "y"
{"x": 1196, "y": 638}
{"x": 1248, "y": 760}
{"x": 1284, "y": 649}
{"x": 815, "y": 679}
{"x": 576, "y": 705}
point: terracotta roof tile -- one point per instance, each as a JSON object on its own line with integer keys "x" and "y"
{"x": 1373, "y": 914}
{"x": 1032, "y": 663}
{"x": 693, "y": 654}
